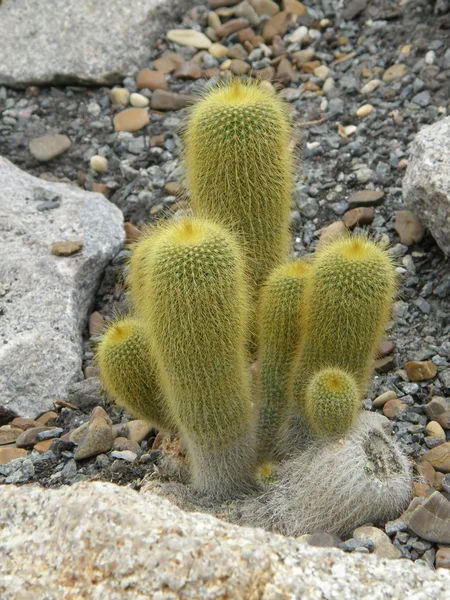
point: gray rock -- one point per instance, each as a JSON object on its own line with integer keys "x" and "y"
{"x": 46, "y": 147}
{"x": 97, "y": 42}
{"x": 426, "y": 186}
{"x": 46, "y": 298}
{"x": 175, "y": 554}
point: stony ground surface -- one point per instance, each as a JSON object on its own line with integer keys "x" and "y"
{"x": 361, "y": 81}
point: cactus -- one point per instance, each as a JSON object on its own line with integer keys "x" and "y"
{"x": 239, "y": 168}
{"x": 332, "y": 402}
{"x": 128, "y": 373}
{"x": 336, "y": 485}
{"x": 348, "y": 300}
{"x": 194, "y": 304}
{"x": 279, "y": 336}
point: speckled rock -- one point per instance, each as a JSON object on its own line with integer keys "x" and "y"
{"x": 47, "y": 298}
{"x": 140, "y": 547}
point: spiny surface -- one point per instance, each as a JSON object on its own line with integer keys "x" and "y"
{"x": 239, "y": 168}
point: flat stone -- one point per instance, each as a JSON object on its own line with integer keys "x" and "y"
{"x": 366, "y": 198}
{"x": 429, "y": 518}
{"x": 43, "y": 446}
{"x": 395, "y": 72}
{"x": 435, "y": 407}
{"x": 131, "y": 119}
{"x": 172, "y": 188}
{"x": 219, "y": 3}
{"x": 362, "y": 215}
{"x": 7, "y": 454}
{"x": 162, "y": 100}
{"x": 188, "y": 70}
{"x": 265, "y": 7}
{"x": 60, "y": 42}
{"x": 294, "y": 7}
{"x": 237, "y": 51}
{"x": 48, "y": 297}
{"x": 420, "y": 370}
{"x": 176, "y": 554}
{"x": 138, "y": 430}
{"x": 239, "y": 67}
{"x": 277, "y": 25}
{"x": 444, "y": 420}
{"x": 384, "y": 365}
{"x": 24, "y": 424}
{"x": 151, "y": 80}
{"x": 8, "y": 434}
{"x": 168, "y": 62}
{"x": 127, "y": 455}
{"x": 231, "y": 26}
{"x": 189, "y": 37}
{"x": 332, "y": 232}
{"x": 29, "y": 438}
{"x": 122, "y": 443}
{"x": 392, "y": 407}
{"x": 382, "y": 543}
{"x": 426, "y": 185}
{"x": 385, "y": 348}
{"x": 49, "y": 146}
{"x": 426, "y": 470}
{"x": 409, "y": 228}
{"x": 381, "y": 400}
{"x": 439, "y": 457}
{"x": 97, "y": 323}
{"x": 66, "y": 248}
{"x": 303, "y": 56}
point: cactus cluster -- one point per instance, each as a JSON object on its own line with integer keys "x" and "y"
{"x": 205, "y": 289}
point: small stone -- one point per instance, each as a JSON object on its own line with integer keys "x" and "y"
{"x": 119, "y": 96}
{"x": 382, "y": 543}
{"x": 172, "y": 188}
{"x": 395, "y": 72}
{"x": 265, "y": 7}
{"x": 439, "y": 457}
{"x": 157, "y": 140}
{"x": 132, "y": 233}
{"x": 310, "y": 86}
{"x": 101, "y": 188}
{"x": 364, "y": 110}
{"x": 346, "y": 131}
{"x": 366, "y": 198}
{"x": 98, "y": 438}
{"x": 213, "y": 20}
{"x": 245, "y": 10}
{"x": 47, "y": 417}
{"x": 162, "y": 100}
{"x": 24, "y": 424}
{"x": 420, "y": 490}
{"x": 429, "y": 518}
{"x": 239, "y": 67}
{"x": 438, "y": 478}
{"x": 303, "y": 56}
{"x": 310, "y": 67}
{"x": 353, "y": 8}
{"x": 218, "y": 50}
{"x": 237, "y": 51}
{"x": 370, "y": 86}
{"x": 426, "y": 470}
{"x": 49, "y": 434}
{"x": 49, "y": 146}
{"x": 98, "y": 163}
{"x": 286, "y": 72}
{"x": 138, "y": 100}
{"x": 138, "y": 430}
{"x": 132, "y": 119}
{"x": 408, "y": 227}
{"x": 332, "y": 232}
{"x": 322, "y": 539}
{"x": 124, "y": 455}
{"x": 43, "y": 446}
{"x": 10, "y": 453}
{"x": 121, "y": 443}
{"x": 66, "y": 248}
{"x": 321, "y": 72}
{"x": 392, "y": 407}
{"x": 29, "y": 438}
{"x": 8, "y": 434}
{"x": 423, "y": 99}
{"x": 294, "y": 7}
{"x": 433, "y": 429}
{"x": 384, "y": 365}
{"x": 97, "y": 323}
{"x": 225, "y": 65}
{"x": 188, "y": 70}
{"x": 444, "y": 420}
{"x": 435, "y": 407}
{"x": 420, "y": 370}
{"x": 277, "y": 25}
{"x": 168, "y": 62}
{"x": 246, "y": 35}
{"x": 327, "y": 87}
{"x": 359, "y": 216}
{"x": 189, "y": 37}
{"x": 382, "y": 399}
{"x": 385, "y": 348}
{"x": 443, "y": 558}
{"x": 230, "y": 27}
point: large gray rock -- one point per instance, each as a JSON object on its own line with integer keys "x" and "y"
{"x": 45, "y": 299}
{"x": 426, "y": 186}
{"x": 98, "y": 540}
{"x": 82, "y": 41}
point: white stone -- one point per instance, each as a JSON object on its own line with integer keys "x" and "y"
{"x": 350, "y": 130}
{"x": 45, "y": 298}
{"x": 370, "y": 86}
{"x": 189, "y": 37}
{"x": 119, "y": 96}
{"x": 138, "y": 100}
{"x": 99, "y": 163}
{"x": 298, "y": 35}
{"x": 364, "y": 110}
{"x": 322, "y": 72}
{"x": 328, "y": 84}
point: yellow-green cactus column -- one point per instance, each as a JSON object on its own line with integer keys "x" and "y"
{"x": 279, "y": 330}
{"x": 129, "y": 375}
{"x": 348, "y": 300}
{"x": 239, "y": 168}
{"x": 194, "y": 303}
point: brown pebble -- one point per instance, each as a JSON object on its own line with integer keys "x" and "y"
{"x": 44, "y": 419}
{"x": 366, "y": 198}
{"x": 385, "y": 348}
{"x": 444, "y": 420}
{"x": 132, "y": 233}
{"x": 443, "y": 558}
{"x": 309, "y": 86}
{"x": 122, "y": 443}
{"x": 265, "y": 7}
{"x": 294, "y": 7}
{"x": 219, "y": 3}
{"x": 277, "y": 25}
{"x": 408, "y": 227}
{"x": 362, "y": 215}
{"x": 43, "y": 446}
{"x": 420, "y": 370}
{"x": 188, "y": 70}
{"x": 230, "y": 27}
{"x": 97, "y": 323}
{"x": 439, "y": 457}
{"x": 426, "y": 470}
{"x": 24, "y": 424}
{"x": 8, "y": 434}
{"x": 438, "y": 477}
{"x": 132, "y": 119}
{"x": 302, "y": 56}
{"x": 420, "y": 489}
{"x": 332, "y": 232}
{"x": 393, "y": 407}
{"x": 266, "y": 74}
{"x": 239, "y": 67}
{"x": 311, "y": 66}
{"x": 157, "y": 140}
{"x": 10, "y": 453}
{"x": 102, "y": 188}
{"x": 384, "y": 365}
{"x": 172, "y": 188}
{"x": 151, "y": 80}
{"x": 286, "y": 72}
{"x": 212, "y": 72}
{"x": 66, "y": 248}
{"x": 28, "y": 438}
{"x": 168, "y": 63}
{"x": 246, "y": 35}
{"x": 237, "y": 51}
{"x": 163, "y": 100}
{"x": 381, "y": 400}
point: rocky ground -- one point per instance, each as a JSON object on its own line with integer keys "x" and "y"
{"x": 362, "y": 80}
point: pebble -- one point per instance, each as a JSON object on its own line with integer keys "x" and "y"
{"x": 122, "y": 443}
{"x": 294, "y": 7}
{"x": 382, "y": 543}
{"x": 29, "y": 438}
{"x": 439, "y": 457}
{"x": 47, "y": 417}
{"x": 444, "y": 420}
{"x": 395, "y": 72}
{"x": 433, "y": 429}
{"x": 347, "y": 131}
{"x": 119, "y": 96}
{"x": 443, "y": 558}
{"x": 231, "y": 27}
{"x": 163, "y": 100}
{"x": 322, "y": 72}
{"x": 124, "y": 455}
{"x": 382, "y": 399}
{"x": 408, "y": 227}
{"x": 265, "y": 7}
{"x": 24, "y": 424}
{"x": 332, "y": 232}
{"x": 385, "y": 348}
{"x": 237, "y": 51}
{"x": 277, "y": 25}
{"x": 49, "y": 146}
{"x": 188, "y": 70}
{"x": 49, "y": 434}
{"x": 10, "y": 453}
{"x": 189, "y": 37}
{"x": 218, "y": 50}
{"x": 429, "y": 518}
{"x": 43, "y": 446}
{"x": 98, "y": 163}
{"x": 363, "y": 215}
{"x": 364, "y": 110}
{"x": 151, "y": 80}
{"x": 138, "y": 100}
{"x": 418, "y": 370}
{"x": 370, "y": 86}
{"x": 8, "y": 435}
{"x": 303, "y": 56}
{"x": 392, "y": 407}
{"x": 366, "y": 198}
{"x": 66, "y": 248}
{"x": 98, "y": 438}
{"x": 322, "y": 539}
{"x": 131, "y": 119}
{"x": 168, "y": 63}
